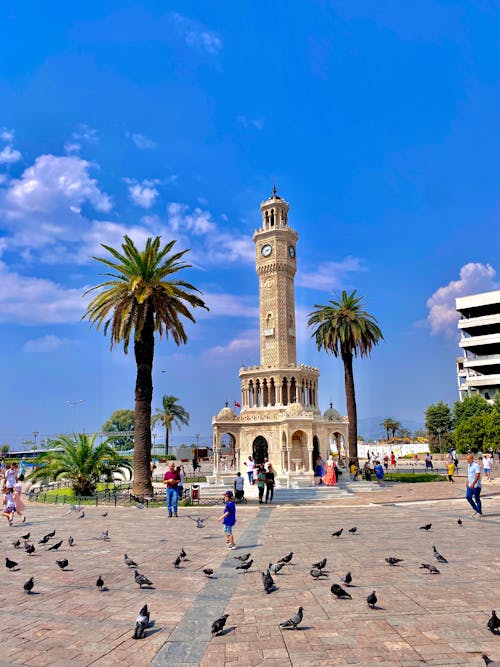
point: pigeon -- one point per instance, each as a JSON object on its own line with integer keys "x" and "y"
{"x": 200, "y": 523}
{"x": 427, "y": 526}
{"x": 183, "y": 554}
{"x": 82, "y": 515}
{"x": 287, "y": 558}
{"x": 353, "y": 530}
{"x": 347, "y": 579}
{"x": 142, "y": 580}
{"x": 73, "y": 508}
{"x": 340, "y": 592}
{"x": 294, "y": 621}
{"x": 317, "y": 574}
{"x": 338, "y": 533}
{"x": 55, "y": 546}
{"x": 10, "y": 564}
{"x": 243, "y": 558}
{"x": 393, "y": 561}
{"x": 218, "y": 625}
{"x": 245, "y": 566}
{"x": 438, "y": 556}
{"x": 104, "y": 536}
{"x": 100, "y": 583}
{"x": 51, "y": 534}
{"x": 177, "y": 561}
{"x": 26, "y": 537}
{"x": 28, "y": 585}
{"x": 487, "y": 661}
{"x": 319, "y": 565}
{"x": 17, "y": 544}
{"x": 460, "y": 522}
{"x": 276, "y": 567}
{"x": 432, "y": 569}
{"x": 63, "y": 563}
{"x": 129, "y": 562}
{"x": 141, "y": 622}
{"x": 268, "y": 582}
{"x": 44, "y": 540}
{"x": 104, "y": 515}
{"x": 494, "y": 622}
{"x": 29, "y": 548}
{"x": 208, "y": 572}
{"x": 71, "y": 541}
{"x": 372, "y": 600}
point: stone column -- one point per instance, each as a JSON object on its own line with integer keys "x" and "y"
{"x": 309, "y": 459}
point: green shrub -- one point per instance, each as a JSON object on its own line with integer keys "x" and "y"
{"x": 414, "y": 477}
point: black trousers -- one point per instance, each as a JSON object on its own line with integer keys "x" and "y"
{"x": 269, "y": 492}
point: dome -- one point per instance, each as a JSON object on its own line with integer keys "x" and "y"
{"x": 226, "y": 414}
{"x": 332, "y": 415}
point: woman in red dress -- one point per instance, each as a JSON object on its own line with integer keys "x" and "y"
{"x": 329, "y": 478}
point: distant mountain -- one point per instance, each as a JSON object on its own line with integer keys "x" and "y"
{"x": 370, "y": 429}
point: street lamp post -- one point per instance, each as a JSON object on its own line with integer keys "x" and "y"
{"x": 439, "y": 436}
{"x": 73, "y": 405}
{"x": 197, "y": 436}
{"x": 35, "y": 436}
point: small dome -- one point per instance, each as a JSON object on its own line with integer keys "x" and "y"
{"x": 226, "y": 414}
{"x": 332, "y": 415}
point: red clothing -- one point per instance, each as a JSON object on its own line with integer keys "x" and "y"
{"x": 171, "y": 478}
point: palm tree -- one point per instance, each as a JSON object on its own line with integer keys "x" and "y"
{"x": 170, "y": 414}
{"x": 345, "y": 330}
{"x": 140, "y": 299}
{"x": 391, "y": 425}
{"x": 82, "y": 462}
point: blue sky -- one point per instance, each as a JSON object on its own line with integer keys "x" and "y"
{"x": 378, "y": 122}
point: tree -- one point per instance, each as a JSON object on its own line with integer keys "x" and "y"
{"x": 120, "y": 420}
{"x": 492, "y": 438}
{"x": 420, "y": 433}
{"x": 169, "y": 414}
{"x": 438, "y": 419}
{"x": 139, "y": 300}
{"x": 82, "y": 462}
{"x": 496, "y": 401}
{"x": 471, "y": 406}
{"x": 345, "y": 330}
{"x": 470, "y": 434}
{"x": 4, "y": 450}
{"x": 391, "y": 426}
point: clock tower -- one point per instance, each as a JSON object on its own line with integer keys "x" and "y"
{"x": 276, "y": 264}
{"x": 279, "y": 417}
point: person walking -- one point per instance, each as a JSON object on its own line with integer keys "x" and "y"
{"x": 8, "y": 505}
{"x": 450, "y": 469}
{"x": 18, "y": 500}
{"x": 487, "y": 461}
{"x": 428, "y": 461}
{"x": 229, "y": 519}
{"x": 393, "y": 460}
{"x": 239, "y": 486}
{"x": 270, "y": 483}
{"x": 180, "y": 486}
{"x": 171, "y": 480}
{"x": 250, "y": 464}
{"x": 330, "y": 478}
{"x": 473, "y": 490}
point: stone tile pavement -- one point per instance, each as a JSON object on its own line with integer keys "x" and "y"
{"x": 421, "y": 619}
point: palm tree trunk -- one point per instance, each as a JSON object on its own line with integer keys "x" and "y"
{"x": 144, "y": 352}
{"x": 350, "y": 394}
{"x": 166, "y": 440}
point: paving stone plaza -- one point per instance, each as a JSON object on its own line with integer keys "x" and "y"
{"x": 420, "y": 619}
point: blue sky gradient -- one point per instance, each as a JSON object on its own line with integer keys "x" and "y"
{"x": 378, "y": 122}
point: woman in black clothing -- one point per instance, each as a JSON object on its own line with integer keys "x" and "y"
{"x": 269, "y": 484}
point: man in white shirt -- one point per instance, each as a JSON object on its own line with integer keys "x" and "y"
{"x": 473, "y": 490}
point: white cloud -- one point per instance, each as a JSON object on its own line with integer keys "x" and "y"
{"x": 196, "y": 36}
{"x": 141, "y": 141}
{"x": 53, "y": 183}
{"x": 31, "y": 301}
{"x": 230, "y": 305}
{"x": 249, "y": 123}
{"x": 85, "y": 133}
{"x": 199, "y": 222}
{"x": 9, "y": 155}
{"x": 72, "y": 147}
{"x": 109, "y": 233}
{"x": 474, "y": 278}
{"x": 47, "y": 343}
{"x": 330, "y": 276}
{"x": 143, "y": 193}
{"x": 244, "y": 349}
{"x": 7, "y": 135}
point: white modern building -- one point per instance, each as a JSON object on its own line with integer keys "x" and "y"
{"x": 478, "y": 370}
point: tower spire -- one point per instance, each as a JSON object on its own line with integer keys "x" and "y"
{"x": 275, "y": 190}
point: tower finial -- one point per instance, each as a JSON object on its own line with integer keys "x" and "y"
{"x": 275, "y": 190}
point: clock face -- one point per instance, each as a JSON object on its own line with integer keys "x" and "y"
{"x": 291, "y": 251}
{"x": 266, "y": 250}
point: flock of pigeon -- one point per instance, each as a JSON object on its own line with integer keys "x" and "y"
{"x": 318, "y": 572}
